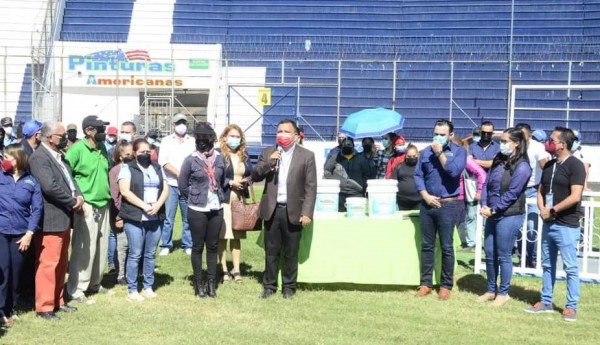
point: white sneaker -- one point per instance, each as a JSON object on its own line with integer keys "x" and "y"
{"x": 188, "y": 251}
{"x": 164, "y": 252}
{"x": 148, "y": 293}
{"x": 135, "y": 297}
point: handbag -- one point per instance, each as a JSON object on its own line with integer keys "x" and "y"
{"x": 244, "y": 215}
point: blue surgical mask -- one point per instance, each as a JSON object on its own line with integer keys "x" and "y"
{"x": 385, "y": 143}
{"x": 359, "y": 149}
{"x": 575, "y": 145}
{"x": 476, "y": 138}
{"x": 400, "y": 149}
{"x": 440, "y": 139}
{"x": 233, "y": 143}
{"x": 505, "y": 149}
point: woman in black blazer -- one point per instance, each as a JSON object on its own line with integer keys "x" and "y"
{"x": 237, "y": 176}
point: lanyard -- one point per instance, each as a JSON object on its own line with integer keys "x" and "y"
{"x": 552, "y": 178}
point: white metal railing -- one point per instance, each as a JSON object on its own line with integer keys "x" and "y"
{"x": 588, "y": 248}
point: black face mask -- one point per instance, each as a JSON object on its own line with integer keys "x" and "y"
{"x": 128, "y": 159}
{"x": 204, "y": 145}
{"x": 367, "y": 147}
{"x": 100, "y": 137}
{"x": 410, "y": 161}
{"x": 347, "y": 150}
{"x": 486, "y": 138}
{"x": 72, "y": 135}
{"x": 143, "y": 159}
{"x": 62, "y": 143}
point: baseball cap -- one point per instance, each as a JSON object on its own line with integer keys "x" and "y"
{"x": 179, "y": 117}
{"x": 112, "y": 130}
{"x": 539, "y": 135}
{"x": 31, "y": 127}
{"x": 6, "y": 122}
{"x": 71, "y": 126}
{"x": 93, "y": 121}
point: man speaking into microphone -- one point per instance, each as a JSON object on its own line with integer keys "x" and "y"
{"x": 286, "y": 206}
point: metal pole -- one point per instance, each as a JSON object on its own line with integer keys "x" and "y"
{"x": 297, "y": 99}
{"x": 118, "y": 89}
{"x": 451, "y": 90}
{"x": 510, "y": 58}
{"x": 4, "y": 73}
{"x": 146, "y": 107}
{"x": 228, "y": 92}
{"x": 569, "y": 92}
{"x": 282, "y": 71}
{"x": 339, "y": 96}
{"x": 511, "y": 116}
{"x": 394, "y": 86}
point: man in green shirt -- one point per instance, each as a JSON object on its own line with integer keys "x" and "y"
{"x": 89, "y": 164}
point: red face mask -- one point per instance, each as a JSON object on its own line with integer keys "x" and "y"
{"x": 550, "y": 147}
{"x": 284, "y": 140}
{"x": 7, "y": 166}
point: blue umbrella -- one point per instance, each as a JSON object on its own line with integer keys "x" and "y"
{"x": 372, "y": 123}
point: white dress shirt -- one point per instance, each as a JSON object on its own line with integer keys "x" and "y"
{"x": 284, "y": 168}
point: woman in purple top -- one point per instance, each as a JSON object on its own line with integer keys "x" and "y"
{"x": 503, "y": 205}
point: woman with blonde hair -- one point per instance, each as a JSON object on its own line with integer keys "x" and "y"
{"x": 237, "y": 178}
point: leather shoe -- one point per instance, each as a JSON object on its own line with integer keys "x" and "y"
{"x": 266, "y": 293}
{"x": 48, "y": 315}
{"x": 288, "y": 293}
{"x": 444, "y": 294}
{"x": 423, "y": 291}
{"x": 67, "y": 309}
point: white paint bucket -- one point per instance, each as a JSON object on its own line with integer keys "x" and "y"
{"x": 356, "y": 207}
{"x": 382, "y": 198}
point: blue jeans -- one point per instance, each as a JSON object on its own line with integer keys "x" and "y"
{"x": 112, "y": 247}
{"x": 440, "y": 221}
{"x": 471, "y": 224}
{"x": 142, "y": 238}
{"x": 561, "y": 238}
{"x": 174, "y": 199}
{"x": 500, "y": 236}
{"x": 11, "y": 263}
{"x": 532, "y": 224}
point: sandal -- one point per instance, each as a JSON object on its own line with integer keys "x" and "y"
{"x": 237, "y": 277}
{"x": 226, "y": 277}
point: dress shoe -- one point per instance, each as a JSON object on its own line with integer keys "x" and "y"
{"x": 444, "y": 294}
{"x": 200, "y": 289}
{"x": 423, "y": 291}
{"x": 266, "y": 293}
{"x": 211, "y": 289}
{"x": 288, "y": 293}
{"x": 67, "y": 309}
{"x": 48, "y": 315}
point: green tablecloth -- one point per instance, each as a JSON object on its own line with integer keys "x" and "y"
{"x": 362, "y": 251}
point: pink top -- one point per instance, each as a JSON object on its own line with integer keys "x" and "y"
{"x": 473, "y": 169}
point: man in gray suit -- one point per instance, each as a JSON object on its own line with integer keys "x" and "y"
{"x": 287, "y": 204}
{"x": 61, "y": 198}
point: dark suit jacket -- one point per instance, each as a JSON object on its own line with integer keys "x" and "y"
{"x": 58, "y": 201}
{"x": 301, "y": 184}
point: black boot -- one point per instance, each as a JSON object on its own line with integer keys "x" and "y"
{"x": 212, "y": 292}
{"x": 200, "y": 289}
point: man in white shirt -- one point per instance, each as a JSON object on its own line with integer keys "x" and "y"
{"x": 576, "y": 151}
{"x": 173, "y": 150}
{"x": 538, "y": 157}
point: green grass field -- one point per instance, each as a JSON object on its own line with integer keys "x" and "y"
{"x": 324, "y": 314}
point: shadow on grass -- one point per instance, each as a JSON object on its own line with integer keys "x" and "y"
{"x": 333, "y": 287}
{"x": 477, "y": 284}
{"x": 109, "y": 280}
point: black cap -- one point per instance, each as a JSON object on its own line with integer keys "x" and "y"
{"x": 153, "y": 133}
{"x": 93, "y": 121}
{"x": 204, "y": 128}
{"x": 6, "y": 122}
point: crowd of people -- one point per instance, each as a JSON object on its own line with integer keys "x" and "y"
{"x": 112, "y": 196}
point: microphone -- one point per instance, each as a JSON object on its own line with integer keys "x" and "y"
{"x": 280, "y": 149}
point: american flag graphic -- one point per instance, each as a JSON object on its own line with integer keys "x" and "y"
{"x": 119, "y": 55}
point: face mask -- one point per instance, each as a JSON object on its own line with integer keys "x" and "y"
{"x": 181, "y": 129}
{"x": 367, "y": 147}
{"x": 284, "y": 140}
{"x": 99, "y": 137}
{"x": 400, "y": 149}
{"x": 485, "y": 137}
{"x": 550, "y": 147}
{"x": 127, "y": 159}
{"x": 203, "y": 145}
{"x": 233, "y": 143}
{"x": 111, "y": 139}
{"x": 143, "y": 159}
{"x": 8, "y": 131}
{"x": 440, "y": 139}
{"x": 153, "y": 143}
{"x": 385, "y": 143}
{"x": 410, "y": 161}
{"x": 505, "y": 149}
{"x": 575, "y": 145}
{"x": 476, "y": 138}
{"x": 7, "y": 166}
{"x": 125, "y": 137}
{"x": 347, "y": 150}
{"x": 62, "y": 143}
{"x": 72, "y": 134}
